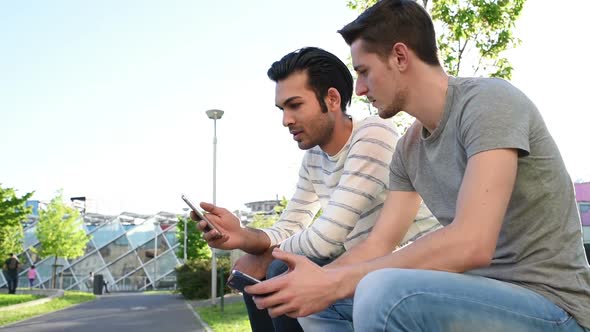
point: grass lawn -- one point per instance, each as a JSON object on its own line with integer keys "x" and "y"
{"x": 233, "y": 319}
{"x": 10, "y": 299}
{"x": 69, "y": 299}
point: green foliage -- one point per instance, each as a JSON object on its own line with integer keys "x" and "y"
{"x": 13, "y": 212}
{"x": 11, "y": 240}
{"x": 483, "y": 24}
{"x": 60, "y": 231}
{"x": 12, "y": 208}
{"x": 197, "y": 247}
{"x": 263, "y": 221}
{"x": 194, "y": 277}
{"x": 11, "y": 299}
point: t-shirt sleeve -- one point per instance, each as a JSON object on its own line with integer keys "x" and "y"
{"x": 496, "y": 118}
{"x": 398, "y": 177}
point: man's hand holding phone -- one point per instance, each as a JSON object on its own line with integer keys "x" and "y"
{"x": 221, "y": 229}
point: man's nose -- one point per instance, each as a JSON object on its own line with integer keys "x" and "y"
{"x": 360, "y": 88}
{"x": 287, "y": 119}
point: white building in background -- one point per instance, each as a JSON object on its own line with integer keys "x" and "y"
{"x": 256, "y": 208}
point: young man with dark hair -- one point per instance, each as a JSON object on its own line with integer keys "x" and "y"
{"x": 510, "y": 255}
{"x": 344, "y": 172}
{"x": 11, "y": 266}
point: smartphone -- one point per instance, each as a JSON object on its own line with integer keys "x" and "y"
{"x": 201, "y": 216}
{"x": 238, "y": 280}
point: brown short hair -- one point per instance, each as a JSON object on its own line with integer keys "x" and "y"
{"x": 392, "y": 21}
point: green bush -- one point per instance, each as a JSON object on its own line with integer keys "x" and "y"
{"x": 194, "y": 277}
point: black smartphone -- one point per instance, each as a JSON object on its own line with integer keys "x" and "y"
{"x": 201, "y": 216}
{"x": 238, "y": 280}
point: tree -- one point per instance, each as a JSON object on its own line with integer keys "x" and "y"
{"x": 483, "y": 24}
{"x": 11, "y": 240}
{"x": 13, "y": 212}
{"x": 197, "y": 247}
{"x": 472, "y": 34}
{"x": 60, "y": 233}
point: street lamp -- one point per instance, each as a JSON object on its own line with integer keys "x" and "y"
{"x": 214, "y": 115}
{"x": 156, "y": 226}
{"x": 185, "y": 217}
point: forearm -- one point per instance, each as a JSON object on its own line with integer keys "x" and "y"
{"x": 389, "y": 230}
{"x": 362, "y": 252}
{"x": 441, "y": 250}
{"x": 254, "y": 241}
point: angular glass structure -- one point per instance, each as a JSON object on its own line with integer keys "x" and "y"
{"x": 133, "y": 252}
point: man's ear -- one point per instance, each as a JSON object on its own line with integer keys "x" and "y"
{"x": 333, "y": 100}
{"x": 399, "y": 57}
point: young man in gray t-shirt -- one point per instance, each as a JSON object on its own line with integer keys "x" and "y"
{"x": 510, "y": 257}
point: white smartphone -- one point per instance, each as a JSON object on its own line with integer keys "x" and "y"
{"x": 201, "y": 216}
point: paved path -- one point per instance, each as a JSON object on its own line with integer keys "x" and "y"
{"x": 111, "y": 313}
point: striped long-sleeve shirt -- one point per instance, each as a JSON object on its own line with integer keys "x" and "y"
{"x": 350, "y": 187}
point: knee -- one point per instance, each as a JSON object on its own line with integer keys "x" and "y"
{"x": 371, "y": 288}
{"x": 276, "y": 267}
{"x": 378, "y": 288}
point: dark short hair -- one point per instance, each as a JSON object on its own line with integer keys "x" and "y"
{"x": 11, "y": 254}
{"x": 324, "y": 71}
{"x": 392, "y": 21}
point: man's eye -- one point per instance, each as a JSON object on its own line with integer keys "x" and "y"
{"x": 295, "y": 105}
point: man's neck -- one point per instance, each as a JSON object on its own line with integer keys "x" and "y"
{"x": 429, "y": 95}
{"x": 340, "y": 135}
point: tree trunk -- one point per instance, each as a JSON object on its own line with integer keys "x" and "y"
{"x": 53, "y": 274}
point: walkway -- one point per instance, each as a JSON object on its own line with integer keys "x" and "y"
{"x": 117, "y": 312}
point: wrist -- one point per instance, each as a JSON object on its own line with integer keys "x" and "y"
{"x": 345, "y": 286}
{"x": 254, "y": 241}
{"x": 242, "y": 240}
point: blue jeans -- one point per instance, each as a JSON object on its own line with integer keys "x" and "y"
{"x": 260, "y": 321}
{"x": 12, "y": 281}
{"x": 422, "y": 300}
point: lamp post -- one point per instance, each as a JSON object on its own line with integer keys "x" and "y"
{"x": 185, "y": 235}
{"x": 156, "y": 224}
{"x": 214, "y": 114}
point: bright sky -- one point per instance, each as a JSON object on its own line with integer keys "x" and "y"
{"x": 107, "y": 99}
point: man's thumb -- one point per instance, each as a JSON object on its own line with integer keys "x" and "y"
{"x": 287, "y": 257}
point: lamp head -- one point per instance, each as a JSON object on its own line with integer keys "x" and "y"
{"x": 214, "y": 114}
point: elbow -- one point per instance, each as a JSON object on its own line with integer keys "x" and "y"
{"x": 329, "y": 253}
{"x": 478, "y": 256}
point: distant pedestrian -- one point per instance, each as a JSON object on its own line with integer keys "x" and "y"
{"x": 32, "y": 275}
{"x": 90, "y": 283}
{"x": 11, "y": 272}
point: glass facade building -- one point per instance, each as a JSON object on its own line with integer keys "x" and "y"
{"x": 133, "y": 253}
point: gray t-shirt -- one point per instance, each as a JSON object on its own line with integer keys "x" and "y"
{"x": 540, "y": 243}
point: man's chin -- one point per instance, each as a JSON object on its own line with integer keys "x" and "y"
{"x": 303, "y": 146}
{"x": 387, "y": 113}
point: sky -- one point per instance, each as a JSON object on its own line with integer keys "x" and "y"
{"x": 107, "y": 99}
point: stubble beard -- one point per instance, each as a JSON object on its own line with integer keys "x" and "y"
{"x": 321, "y": 132}
{"x": 398, "y": 105}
